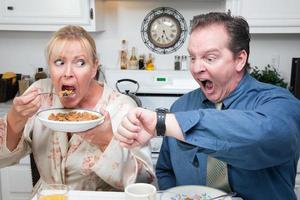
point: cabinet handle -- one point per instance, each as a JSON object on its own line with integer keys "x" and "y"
{"x": 10, "y": 8}
{"x": 91, "y": 13}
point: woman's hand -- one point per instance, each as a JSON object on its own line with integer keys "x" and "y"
{"x": 26, "y": 105}
{"x": 23, "y": 107}
{"x": 101, "y": 135}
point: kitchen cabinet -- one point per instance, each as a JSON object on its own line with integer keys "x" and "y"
{"x": 268, "y": 16}
{"x": 50, "y": 15}
{"x": 15, "y": 181}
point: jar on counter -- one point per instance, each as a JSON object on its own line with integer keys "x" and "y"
{"x": 142, "y": 62}
{"x": 184, "y": 63}
{"x": 177, "y": 63}
{"x": 40, "y": 74}
{"x": 149, "y": 63}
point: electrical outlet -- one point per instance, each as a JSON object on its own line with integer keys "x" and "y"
{"x": 275, "y": 61}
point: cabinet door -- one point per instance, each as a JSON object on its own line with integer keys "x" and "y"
{"x": 268, "y": 16}
{"x": 16, "y": 183}
{"x": 45, "y": 15}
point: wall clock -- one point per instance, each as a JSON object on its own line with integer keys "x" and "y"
{"x": 164, "y": 30}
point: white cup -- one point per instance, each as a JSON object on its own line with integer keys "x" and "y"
{"x": 140, "y": 191}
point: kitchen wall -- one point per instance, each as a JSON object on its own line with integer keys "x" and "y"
{"x": 23, "y": 52}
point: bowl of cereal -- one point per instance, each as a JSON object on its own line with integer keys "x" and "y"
{"x": 69, "y": 120}
{"x": 192, "y": 192}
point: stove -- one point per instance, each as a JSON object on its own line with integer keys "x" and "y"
{"x": 157, "y": 89}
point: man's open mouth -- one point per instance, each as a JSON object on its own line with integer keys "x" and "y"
{"x": 207, "y": 84}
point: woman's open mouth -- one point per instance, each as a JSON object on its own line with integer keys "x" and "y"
{"x": 67, "y": 91}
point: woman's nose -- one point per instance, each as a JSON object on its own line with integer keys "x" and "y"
{"x": 68, "y": 70}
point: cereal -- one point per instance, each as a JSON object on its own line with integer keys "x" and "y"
{"x": 73, "y": 116}
{"x": 66, "y": 92}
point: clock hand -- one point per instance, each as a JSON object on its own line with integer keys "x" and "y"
{"x": 164, "y": 33}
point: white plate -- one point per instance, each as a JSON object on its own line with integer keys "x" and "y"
{"x": 195, "y": 192}
{"x": 68, "y": 126}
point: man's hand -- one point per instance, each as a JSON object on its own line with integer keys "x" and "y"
{"x": 137, "y": 128}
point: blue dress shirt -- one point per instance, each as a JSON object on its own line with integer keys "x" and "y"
{"x": 257, "y": 134}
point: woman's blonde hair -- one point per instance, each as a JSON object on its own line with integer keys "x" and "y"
{"x": 69, "y": 33}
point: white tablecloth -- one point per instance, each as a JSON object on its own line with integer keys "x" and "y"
{"x": 90, "y": 195}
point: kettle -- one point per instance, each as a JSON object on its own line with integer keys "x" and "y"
{"x": 127, "y": 92}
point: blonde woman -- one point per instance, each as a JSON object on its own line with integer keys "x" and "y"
{"x": 92, "y": 160}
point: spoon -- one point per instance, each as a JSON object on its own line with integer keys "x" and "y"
{"x": 230, "y": 194}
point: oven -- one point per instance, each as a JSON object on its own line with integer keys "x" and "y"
{"x": 156, "y": 89}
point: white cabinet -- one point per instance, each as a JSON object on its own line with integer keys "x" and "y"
{"x": 268, "y": 16}
{"x": 50, "y": 15}
{"x": 16, "y": 182}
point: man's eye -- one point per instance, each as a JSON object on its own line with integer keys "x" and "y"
{"x": 59, "y": 62}
{"x": 80, "y": 63}
{"x": 192, "y": 59}
{"x": 210, "y": 59}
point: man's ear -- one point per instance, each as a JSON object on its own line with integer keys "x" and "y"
{"x": 241, "y": 60}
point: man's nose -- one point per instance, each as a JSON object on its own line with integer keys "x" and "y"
{"x": 198, "y": 66}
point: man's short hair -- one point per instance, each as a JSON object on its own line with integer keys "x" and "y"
{"x": 236, "y": 27}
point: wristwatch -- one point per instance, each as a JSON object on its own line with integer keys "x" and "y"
{"x": 160, "y": 123}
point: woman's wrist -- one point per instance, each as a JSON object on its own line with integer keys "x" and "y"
{"x": 15, "y": 123}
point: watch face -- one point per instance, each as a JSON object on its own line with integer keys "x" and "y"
{"x": 164, "y": 31}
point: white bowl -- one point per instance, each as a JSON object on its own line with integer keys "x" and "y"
{"x": 193, "y": 192}
{"x": 68, "y": 126}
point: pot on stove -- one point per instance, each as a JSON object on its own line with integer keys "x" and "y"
{"x": 131, "y": 94}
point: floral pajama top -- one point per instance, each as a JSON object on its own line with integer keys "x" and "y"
{"x": 75, "y": 161}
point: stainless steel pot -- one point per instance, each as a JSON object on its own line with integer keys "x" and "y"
{"x": 128, "y": 92}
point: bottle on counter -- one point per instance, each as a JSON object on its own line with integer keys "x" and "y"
{"x": 123, "y": 55}
{"x": 184, "y": 63}
{"x": 149, "y": 63}
{"x": 142, "y": 62}
{"x": 40, "y": 74}
{"x": 177, "y": 63}
{"x": 133, "y": 62}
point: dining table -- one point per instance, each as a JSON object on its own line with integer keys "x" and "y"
{"x": 96, "y": 195}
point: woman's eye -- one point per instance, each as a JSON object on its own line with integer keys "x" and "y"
{"x": 80, "y": 63}
{"x": 58, "y": 62}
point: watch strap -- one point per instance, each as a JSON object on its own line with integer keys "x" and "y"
{"x": 160, "y": 123}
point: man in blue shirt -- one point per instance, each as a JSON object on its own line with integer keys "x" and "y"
{"x": 249, "y": 145}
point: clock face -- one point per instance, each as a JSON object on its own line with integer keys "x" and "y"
{"x": 164, "y": 30}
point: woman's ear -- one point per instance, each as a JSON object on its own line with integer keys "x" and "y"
{"x": 95, "y": 68}
{"x": 241, "y": 60}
